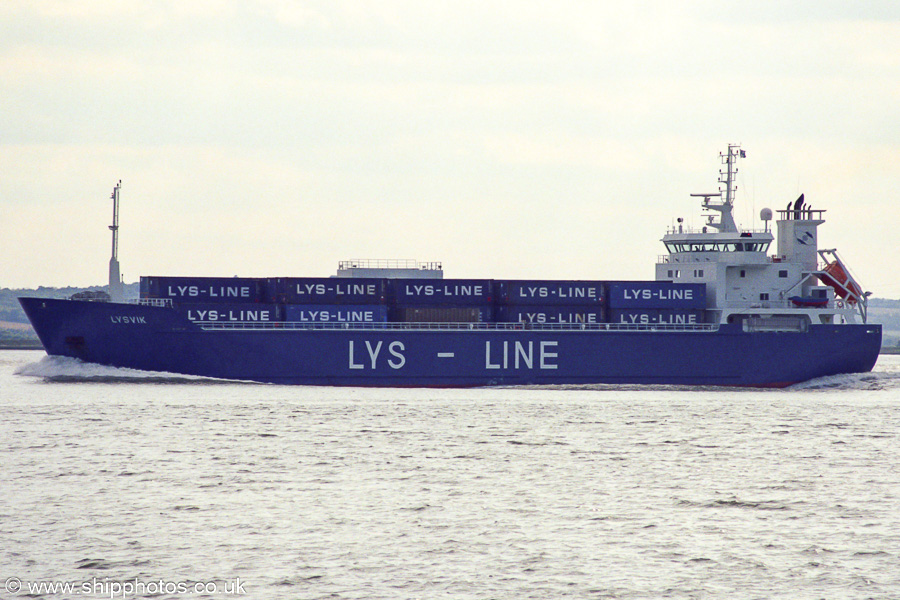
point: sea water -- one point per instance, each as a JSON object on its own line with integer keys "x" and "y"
{"x": 125, "y": 484}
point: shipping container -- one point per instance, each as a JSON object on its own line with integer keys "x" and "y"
{"x": 442, "y": 314}
{"x": 550, "y": 292}
{"x": 653, "y": 316}
{"x": 247, "y": 313}
{"x": 204, "y": 289}
{"x": 326, "y": 290}
{"x": 551, "y": 314}
{"x": 335, "y": 313}
{"x": 657, "y": 294}
{"x": 453, "y": 292}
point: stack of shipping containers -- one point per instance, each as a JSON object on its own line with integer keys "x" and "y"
{"x": 370, "y": 300}
{"x": 656, "y": 303}
{"x": 300, "y": 299}
{"x": 442, "y": 300}
{"x": 230, "y": 299}
{"x": 550, "y": 301}
{"x": 330, "y": 299}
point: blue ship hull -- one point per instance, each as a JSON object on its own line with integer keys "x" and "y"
{"x": 162, "y": 339}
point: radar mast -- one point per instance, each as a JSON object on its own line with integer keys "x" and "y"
{"x": 726, "y": 223}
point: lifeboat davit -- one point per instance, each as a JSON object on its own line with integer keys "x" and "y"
{"x": 845, "y": 287}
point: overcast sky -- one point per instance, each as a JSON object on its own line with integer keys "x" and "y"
{"x": 505, "y": 139}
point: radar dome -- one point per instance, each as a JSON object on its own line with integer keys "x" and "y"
{"x": 765, "y": 214}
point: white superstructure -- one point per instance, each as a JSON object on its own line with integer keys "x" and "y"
{"x": 743, "y": 280}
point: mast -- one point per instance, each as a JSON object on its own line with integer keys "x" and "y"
{"x": 116, "y": 289}
{"x": 730, "y": 160}
{"x": 726, "y": 223}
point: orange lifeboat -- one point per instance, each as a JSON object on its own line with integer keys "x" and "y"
{"x": 835, "y": 276}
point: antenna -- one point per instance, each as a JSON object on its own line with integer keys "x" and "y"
{"x": 116, "y": 289}
{"x": 729, "y": 160}
{"x": 115, "y": 224}
{"x": 724, "y": 207}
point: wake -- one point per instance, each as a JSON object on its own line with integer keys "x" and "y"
{"x": 885, "y": 377}
{"x": 65, "y": 369}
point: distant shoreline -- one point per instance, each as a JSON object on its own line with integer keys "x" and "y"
{"x": 22, "y": 346}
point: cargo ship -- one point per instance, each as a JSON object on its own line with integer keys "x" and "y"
{"x": 722, "y": 311}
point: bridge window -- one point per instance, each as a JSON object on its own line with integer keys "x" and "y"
{"x": 674, "y": 247}
{"x": 782, "y": 274}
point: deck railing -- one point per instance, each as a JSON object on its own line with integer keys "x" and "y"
{"x": 327, "y": 326}
{"x": 151, "y": 302}
{"x": 394, "y": 263}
